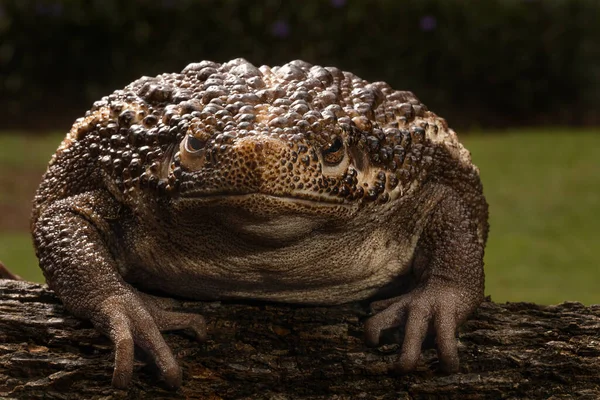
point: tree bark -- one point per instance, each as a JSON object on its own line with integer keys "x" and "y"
{"x": 266, "y": 351}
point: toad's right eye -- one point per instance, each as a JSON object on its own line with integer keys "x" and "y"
{"x": 193, "y": 144}
{"x": 334, "y": 153}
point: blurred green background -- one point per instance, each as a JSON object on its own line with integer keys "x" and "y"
{"x": 519, "y": 80}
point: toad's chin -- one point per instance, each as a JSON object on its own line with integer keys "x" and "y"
{"x": 274, "y": 230}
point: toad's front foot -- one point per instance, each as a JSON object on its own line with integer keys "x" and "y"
{"x": 133, "y": 318}
{"x": 426, "y": 309}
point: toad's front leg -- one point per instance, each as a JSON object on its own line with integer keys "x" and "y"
{"x": 449, "y": 266}
{"x": 71, "y": 242}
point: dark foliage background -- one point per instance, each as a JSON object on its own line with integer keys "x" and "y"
{"x": 478, "y": 63}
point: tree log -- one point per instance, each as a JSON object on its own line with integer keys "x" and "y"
{"x": 268, "y": 351}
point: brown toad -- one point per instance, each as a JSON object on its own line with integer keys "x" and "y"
{"x": 297, "y": 184}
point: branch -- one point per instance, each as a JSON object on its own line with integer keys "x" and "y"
{"x": 260, "y": 351}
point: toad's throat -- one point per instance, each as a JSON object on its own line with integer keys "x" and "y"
{"x": 275, "y": 230}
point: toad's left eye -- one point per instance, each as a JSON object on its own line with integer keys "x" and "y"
{"x": 193, "y": 144}
{"x": 334, "y": 153}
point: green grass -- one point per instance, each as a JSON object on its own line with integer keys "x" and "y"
{"x": 25, "y": 150}
{"x": 16, "y": 252}
{"x": 23, "y": 156}
{"x": 544, "y": 193}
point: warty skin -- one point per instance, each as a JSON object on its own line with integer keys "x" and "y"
{"x": 297, "y": 184}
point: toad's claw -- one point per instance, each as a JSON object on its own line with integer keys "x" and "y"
{"x": 420, "y": 311}
{"x": 129, "y": 320}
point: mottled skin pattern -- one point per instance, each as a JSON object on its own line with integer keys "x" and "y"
{"x": 297, "y": 184}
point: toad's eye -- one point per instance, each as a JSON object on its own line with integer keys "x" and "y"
{"x": 334, "y": 153}
{"x": 193, "y": 144}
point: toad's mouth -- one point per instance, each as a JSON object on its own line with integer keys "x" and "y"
{"x": 267, "y": 218}
{"x": 312, "y": 201}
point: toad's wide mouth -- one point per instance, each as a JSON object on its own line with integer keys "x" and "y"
{"x": 261, "y": 205}
{"x": 268, "y": 218}
{"x": 312, "y": 201}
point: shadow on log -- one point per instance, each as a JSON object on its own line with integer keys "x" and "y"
{"x": 517, "y": 350}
